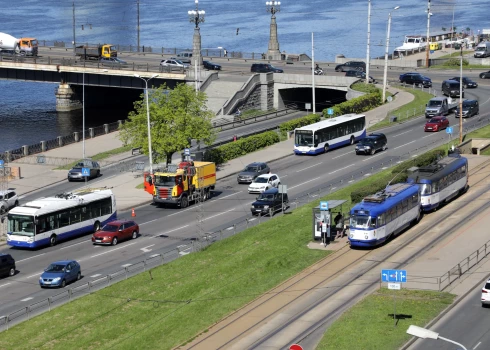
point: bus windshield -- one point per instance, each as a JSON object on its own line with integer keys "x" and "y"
{"x": 304, "y": 138}
{"x": 359, "y": 221}
{"x": 21, "y": 225}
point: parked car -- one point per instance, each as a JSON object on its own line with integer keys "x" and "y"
{"x": 415, "y": 78}
{"x": 470, "y": 108}
{"x": 359, "y": 74}
{"x": 265, "y": 68}
{"x": 59, "y": 273}
{"x": 7, "y": 265}
{"x": 372, "y": 143}
{"x": 269, "y": 202}
{"x": 485, "y": 75}
{"x": 251, "y": 171}
{"x": 8, "y": 200}
{"x": 116, "y": 231}
{"x": 113, "y": 62}
{"x": 451, "y": 88}
{"x": 76, "y": 172}
{"x": 174, "y": 64}
{"x": 351, "y": 65}
{"x": 436, "y": 124}
{"x": 211, "y": 65}
{"x": 485, "y": 294}
{"x": 263, "y": 183}
{"x": 467, "y": 82}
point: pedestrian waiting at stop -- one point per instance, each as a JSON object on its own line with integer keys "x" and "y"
{"x": 339, "y": 225}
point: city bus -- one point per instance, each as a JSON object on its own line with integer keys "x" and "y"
{"x": 329, "y": 134}
{"x": 48, "y": 220}
{"x": 384, "y": 215}
{"x": 442, "y": 181}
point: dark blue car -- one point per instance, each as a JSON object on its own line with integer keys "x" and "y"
{"x": 59, "y": 273}
{"x": 415, "y": 79}
{"x": 211, "y": 65}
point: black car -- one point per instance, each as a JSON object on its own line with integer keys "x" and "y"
{"x": 211, "y": 65}
{"x": 485, "y": 75}
{"x": 467, "y": 82}
{"x": 372, "y": 143}
{"x": 351, "y": 65}
{"x": 251, "y": 171}
{"x": 470, "y": 108}
{"x": 451, "y": 88}
{"x": 265, "y": 68}
{"x": 415, "y": 78}
{"x": 7, "y": 265}
{"x": 269, "y": 202}
{"x": 359, "y": 74}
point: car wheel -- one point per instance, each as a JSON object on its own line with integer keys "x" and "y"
{"x": 135, "y": 235}
{"x": 96, "y": 226}
{"x": 352, "y": 140}
{"x": 114, "y": 241}
{"x": 16, "y": 204}
{"x": 11, "y": 272}
{"x": 52, "y": 240}
{"x": 79, "y": 275}
{"x": 384, "y": 148}
{"x": 372, "y": 151}
{"x": 184, "y": 202}
{"x": 63, "y": 284}
{"x": 325, "y": 149}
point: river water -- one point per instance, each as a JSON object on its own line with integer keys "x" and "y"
{"x": 27, "y": 110}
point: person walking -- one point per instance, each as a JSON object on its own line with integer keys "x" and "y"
{"x": 339, "y": 225}
{"x": 225, "y": 52}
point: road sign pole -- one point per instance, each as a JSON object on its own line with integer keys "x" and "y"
{"x": 394, "y": 307}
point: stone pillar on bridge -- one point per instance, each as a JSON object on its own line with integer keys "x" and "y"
{"x": 266, "y": 92}
{"x": 273, "y": 53}
{"x": 67, "y": 99}
{"x": 196, "y": 48}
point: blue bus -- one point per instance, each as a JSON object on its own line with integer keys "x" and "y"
{"x": 384, "y": 214}
{"x": 442, "y": 181}
{"x": 329, "y": 134}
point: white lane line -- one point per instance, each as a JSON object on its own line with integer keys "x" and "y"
{"x": 427, "y": 136}
{"x": 112, "y": 250}
{"x": 333, "y": 188}
{"x": 403, "y": 133}
{"x": 32, "y": 257}
{"x": 126, "y": 265}
{"x": 210, "y": 217}
{"x": 75, "y": 244}
{"x": 230, "y": 228}
{"x": 37, "y": 274}
{"x": 180, "y": 211}
{"x": 316, "y": 178}
{"x": 379, "y": 154}
{"x": 333, "y": 172}
{"x": 405, "y": 144}
{"x": 6, "y": 284}
{"x": 368, "y": 174}
{"x": 415, "y": 155}
{"x": 477, "y": 345}
{"x": 217, "y": 199}
{"x": 175, "y": 229}
{"x": 314, "y": 195}
{"x": 350, "y": 181}
{"x": 27, "y": 299}
{"x": 252, "y": 219}
{"x": 308, "y": 167}
{"x": 384, "y": 168}
{"x": 144, "y": 223}
{"x": 96, "y": 275}
{"x": 342, "y": 155}
{"x": 283, "y": 176}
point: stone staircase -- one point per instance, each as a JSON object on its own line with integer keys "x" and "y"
{"x": 219, "y": 91}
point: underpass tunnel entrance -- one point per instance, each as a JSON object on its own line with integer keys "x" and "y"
{"x": 300, "y": 96}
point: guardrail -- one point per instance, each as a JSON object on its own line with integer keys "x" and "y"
{"x": 226, "y": 125}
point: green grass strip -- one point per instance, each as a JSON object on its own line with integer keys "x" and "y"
{"x": 99, "y": 156}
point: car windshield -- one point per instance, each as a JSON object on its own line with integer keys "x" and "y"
{"x": 303, "y": 138}
{"x": 266, "y": 197}
{"x": 360, "y": 221}
{"x": 434, "y": 120}
{"x": 251, "y": 169}
{"x": 366, "y": 141}
{"x": 178, "y": 62}
{"x": 454, "y": 86}
{"x": 261, "y": 180}
{"x": 466, "y": 104}
{"x": 110, "y": 228}
{"x": 481, "y": 48}
{"x": 164, "y": 180}
{"x": 436, "y": 103}
{"x": 21, "y": 225}
{"x": 55, "y": 268}
{"x": 1, "y": 197}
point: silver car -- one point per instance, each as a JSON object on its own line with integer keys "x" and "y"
{"x": 76, "y": 172}
{"x": 173, "y": 63}
{"x": 8, "y": 200}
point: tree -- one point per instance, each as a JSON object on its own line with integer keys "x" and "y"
{"x": 177, "y": 117}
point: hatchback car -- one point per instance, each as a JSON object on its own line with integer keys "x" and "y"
{"x": 8, "y": 200}
{"x": 116, "y": 231}
{"x": 174, "y": 64}
{"x": 211, "y": 65}
{"x": 113, "y": 62}
{"x": 351, "y": 65}
{"x": 265, "y": 68}
{"x": 470, "y": 108}
{"x": 467, "y": 82}
{"x": 359, "y": 74}
{"x": 372, "y": 143}
{"x": 263, "y": 183}
{"x": 436, "y": 124}
{"x": 415, "y": 79}
{"x": 59, "y": 273}
{"x": 485, "y": 294}
{"x": 76, "y": 172}
{"x": 269, "y": 202}
{"x": 251, "y": 171}
{"x": 7, "y": 265}
{"x": 485, "y": 75}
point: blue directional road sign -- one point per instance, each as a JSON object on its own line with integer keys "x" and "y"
{"x": 85, "y": 172}
{"x": 394, "y": 276}
{"x": 330, "y": 111}
{"x": 187, "y": 152}
{"x": 1, "y": 163}
{"x": 449, "y": 130}
{"x": 323, "y": 205}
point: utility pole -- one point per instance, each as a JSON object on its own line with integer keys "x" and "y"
{"x": 461, "y": 96}
{"x": 74, "y": 40}
{"x": 368, "y": 42}
{"x": 313, "y": 73}
{"x": 427, "y": 49}
{"x": 138, "y": 11}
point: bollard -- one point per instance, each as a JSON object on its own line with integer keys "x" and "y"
{"x": 76, "y": 136}
{"x": 91, "y": 132}
{"x": 106, "y": 128}
{"x": 43, "y": 146}
{"x": 60, "y": 141}
{"x": 120, "y": 122}
{"x": 25, "y": 150}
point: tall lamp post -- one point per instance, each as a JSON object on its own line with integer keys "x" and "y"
{"x": 273, "y": 53}
{"x": 427, "y": 49}
{"x": 461, "y": 95}
{"x": 196, "y": 16}
{"x": 150, "y": 152}
{"x": 385, "y": 74}
{"x": 368, "y": 42}
{"x": 423, "y": 333}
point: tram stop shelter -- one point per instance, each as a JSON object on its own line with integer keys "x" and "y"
{"x": 323, "y": 218}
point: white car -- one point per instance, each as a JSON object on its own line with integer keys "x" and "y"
{"x": 263, "y": 183}
{"x": 485, "y": 294}
{"x": 174, "y": 64}
{"x": 8, "y": 200}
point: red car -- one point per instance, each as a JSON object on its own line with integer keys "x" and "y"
{"x": 116, "y": 231}
{"x": 436, "y": 124}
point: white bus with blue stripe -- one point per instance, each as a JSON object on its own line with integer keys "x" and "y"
{"x": 329, "y": 134}
{"x": 384, "y": 215}
{"x": 48, "y": 220}
{"x": 442, "y": 181}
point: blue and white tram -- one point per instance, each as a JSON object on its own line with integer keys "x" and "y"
{"x": 384, "y": 214}
{"x": 441, "y": 181}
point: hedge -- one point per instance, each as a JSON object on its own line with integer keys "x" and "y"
{"x": 398, "y": 174}
{"x": 367, "y": 88}
{"x": 455, "y": 62}
{"x": 356, "y": 105}
{"x": 299, "y": 122}
{"x": 243, "y": 146}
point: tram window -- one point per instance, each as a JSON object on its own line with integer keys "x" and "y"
{"x": 381, "y": 220}
{"x": 399, "y": 209}
{"x": 415, "y": 201}
{"x": 373, "y": 223}
{"x": 405, "y": 205}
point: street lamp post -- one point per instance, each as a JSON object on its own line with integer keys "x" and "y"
{"x": 427, "y": 49}
{"x": 461, "y": 96}
{"x": 368, "y": 42}
{"x": 423, "y": 333}
{"x": 273, "y": 52}
{"x": 150, "y": 152}
{"x": 385, "y": 74}
{"x": 196, "y": 16}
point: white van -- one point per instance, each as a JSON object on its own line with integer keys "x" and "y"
{"x": 482, "y": 50}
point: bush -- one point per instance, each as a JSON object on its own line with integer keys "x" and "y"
{"x": 357, "y": 105}
{"x": 232, "y": 150}
{"x": 422, "y": 160}
{"x": 455, "y": 62}
{"x": 367, "y": 88}
{"x": 299, "y": 122}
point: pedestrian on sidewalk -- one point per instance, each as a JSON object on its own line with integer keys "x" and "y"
{"x": 339, "y": 225}
{"x": 225, "y": 52}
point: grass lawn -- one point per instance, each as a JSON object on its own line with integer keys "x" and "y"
{"x": 100, "y": 156}
{"x": 370, "y": 325}
{"x": 456, "y": 54}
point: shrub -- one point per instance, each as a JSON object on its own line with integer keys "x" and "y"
{"x": 455, "y": 62}
{"x": 232, "y": 150}
{"x": 367, "y": 88}
{"x": 357, "y": 105}
{"x": 422, "y": 160}
{"x": 299, "y": 122}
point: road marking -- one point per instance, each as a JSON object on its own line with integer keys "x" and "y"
{"x": 368, "y": 174}
{"x": 333, "y": 188}
{"x": 36, "y": 274}
{"x": 350, "y": 181}
{"x": 399, "y": 162}
{"x": 126, "y": 265}
{"x": 341, "y": 155}
{"x": 308, "y": 167}
{"x": 146, "y": 250}
{"x": 415, "y": 155}
{"x": 365, "y": 160}
{"x": 230, "y": 228}
{"x": 217, "y": 199}
{"x": 283, "y": 176}
{"x": 6, "y": 284}
{"x": 180, "y": 211}
{"x": 348, "y": 166}
{"x": 27, "y": 299}
{"x": 316, "y": 178}
{"x": 403, "y": 133}
{"x": 112, "y": 250}
{"x": 154, "y": 255}
{"x": 314, "y": 195}
{"x": 219, "y": 214}
{"x": 252, "y": 219}
{"x": 477, "y": 345}
{"x": 405, "y": 144}
{"x": 175, "y": 229}
{"x": 75, "y": 244}
{"x": 96, "y": 275}
{"x": 32, "y": 257}
{"x": 384, "y": 168}
{"x": 144, "y": 223}
{"x": 427, "y": 136}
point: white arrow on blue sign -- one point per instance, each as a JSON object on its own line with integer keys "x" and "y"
{"x": 330, "y": 111}
{"x": 85, "y": 171}
{"x": 449, "y": 130}
{"x": 394, "y": 276}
